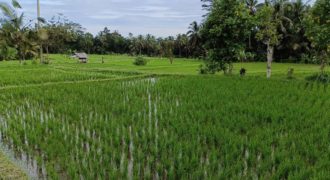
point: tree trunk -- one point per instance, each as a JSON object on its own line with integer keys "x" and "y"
{"x": 47, "y": 49}
{"x": 270, "y": 54}
{"x": 180, "y": 53}
{"x": 323, "y": 62}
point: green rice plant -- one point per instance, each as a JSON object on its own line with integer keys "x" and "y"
{"x": 170, "y": 127}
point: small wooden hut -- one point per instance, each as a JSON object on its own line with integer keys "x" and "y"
{"x": 82, "y": 57}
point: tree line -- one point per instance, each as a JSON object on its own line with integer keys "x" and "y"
{"x": 232, "y": 31}
{"x": 20, "y": 39}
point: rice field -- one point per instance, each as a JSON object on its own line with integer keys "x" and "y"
{"x": 94, "y": 121}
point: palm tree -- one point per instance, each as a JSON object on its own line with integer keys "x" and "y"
{"x": 252, "y": 5}
{"x": 179, "y": 42}
{"x": 295, "y": 38}
{"x": 39, "y": 21}
{"x": 140, "y": 43}
{"x": 194, "y": 35}
{"x": 15, "y": 29}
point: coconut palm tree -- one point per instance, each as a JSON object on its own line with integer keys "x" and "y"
{"x": 294, "y": 41}
{"x": 194, "y": 36}
{"x": 40, "y": 32}
{"x": 252, "y": 5}
{"x": 140, "y": 43}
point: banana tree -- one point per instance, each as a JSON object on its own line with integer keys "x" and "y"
{"x": 15, "y": 30}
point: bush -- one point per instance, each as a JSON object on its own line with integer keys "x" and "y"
{"x": 322, "y": 78}
{"x": 140, "y": 61}
{"x": 290, "y": 73}
{"x": 46, "y": 61}
{"x": 305, "y": 58}
{"x": 211, "y": 67}
{"x": 203, "y": 69}
{"x": 242, "y": 72}
{"x": 34, "y": 62}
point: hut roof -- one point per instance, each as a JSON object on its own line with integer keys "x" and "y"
{"x": 81, "y": 55}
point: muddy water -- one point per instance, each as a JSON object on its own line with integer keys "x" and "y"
{"x": 34, "y": 170}
{"x": 25, "y": 162}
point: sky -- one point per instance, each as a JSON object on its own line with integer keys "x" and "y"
{"x": 158, "y": 17}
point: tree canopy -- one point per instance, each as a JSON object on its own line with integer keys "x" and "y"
{"x": 276, "y": 31}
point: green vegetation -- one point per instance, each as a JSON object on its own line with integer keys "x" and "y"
{"x": 9, "y": 171}
{"x": 135, "y": 129}
{"x": 318, "y": 30}
{"x": 140, "y": 61}
{"x": 141, "y": 110}
{"x": 104, "y": 120}
{"x": 293, "y": 31}
{"x": 122, "y": 64}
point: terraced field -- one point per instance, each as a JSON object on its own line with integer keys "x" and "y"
{"x": 117, "y": 121}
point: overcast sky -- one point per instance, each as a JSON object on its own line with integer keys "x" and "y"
{"x": 157, "y": 17}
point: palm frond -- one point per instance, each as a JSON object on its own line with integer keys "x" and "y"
{"x": 7, "y": 11}
{"x": 16, "y": 4}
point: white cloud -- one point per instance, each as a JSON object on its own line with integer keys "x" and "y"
{"x": 159, "y": 17}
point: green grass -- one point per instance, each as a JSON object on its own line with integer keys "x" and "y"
{"x": 158, "y": 65}
{"x": 10, "y": 171}
{"x": 120, "y": 121}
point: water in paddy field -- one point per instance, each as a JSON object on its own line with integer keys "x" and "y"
{"x": 35, "y": 170}
{"x": 22, "y": 160}
{"x": 151, "y": 80}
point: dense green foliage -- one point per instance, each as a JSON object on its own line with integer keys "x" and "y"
{"x": 140, "y": 61}
{"x": 17, "y": 40}
{"x": 225, "y": 31}
{"x": 295, "y": 22}
{"x": 114, "y": 118}
{"x": 318, "y": 29}
{"x": 278, "y": 24}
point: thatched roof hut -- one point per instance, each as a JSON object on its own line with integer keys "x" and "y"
{"x": 82, "y": 57}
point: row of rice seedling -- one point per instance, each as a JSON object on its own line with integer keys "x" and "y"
{"x": 171, "y": 128}
{"x": 38, "y": 76}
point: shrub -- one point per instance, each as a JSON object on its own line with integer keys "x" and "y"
{"x": 242, "y": 72}
{"x": 203, "y": 69}
{"x": 140, "y": 61}
{"x": 322, "y": 78}
{"x": 211, "y": 67}
{"x": 290, "y": 73}
{"x": 305, "y": 58}
{"x": 34, "y": 62}
{"x": 46, "y": 61}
